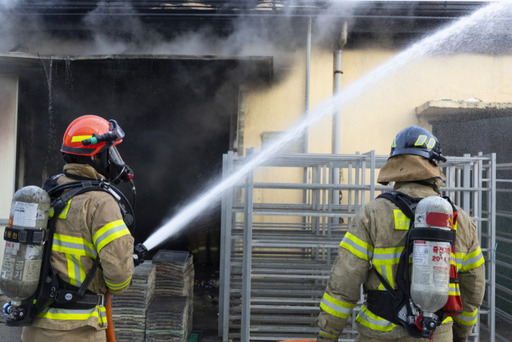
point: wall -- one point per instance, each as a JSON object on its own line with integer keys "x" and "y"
{"x": 371, "y": 120}
{"x": 8, "y": 132}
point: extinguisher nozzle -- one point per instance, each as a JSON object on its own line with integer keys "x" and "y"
{"x": 140, "y": 253}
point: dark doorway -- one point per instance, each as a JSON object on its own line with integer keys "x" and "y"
{"x": 179, "y": 115}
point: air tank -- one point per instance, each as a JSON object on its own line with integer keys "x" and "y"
{"x": 24, "y": 240}
{"x": 430, "y": 279}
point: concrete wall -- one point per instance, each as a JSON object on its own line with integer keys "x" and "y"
{"x": 8, "y": 129}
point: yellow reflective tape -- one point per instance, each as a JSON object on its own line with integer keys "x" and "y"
{"x": 338, "y": 302}
{"x": 421, "y": 140}
{"x": 119, "y": 286}
{"x": 336, "y": 307}
{"x": 323, "y": 333}
{"x": 466, "y": 318}
{"x": 393, "y": 144}
{"x": 63, "y": 214}
{"x": 333, "y": 312}
{"x": 104, "y": 237}
{"x": 431, "y": 143}
{"x": 357, "y": 246}
{"x": 112, "y": 237}
{"x": 79, "y": 138}
{"x": 402, "y": 222}
{"x": 454, "y": 289}
{"x": 447, "y": 319}
{"x": 79, "y": 315}
{"x": 479, "y": 260}
{"x": 71, "y": 269}
{"x": 72, "y": 245}
{"x": 387, "y": 256}
{"x": 372, "y": 321}
{"x": 389, "y": 276}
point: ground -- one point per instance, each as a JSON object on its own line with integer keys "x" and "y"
{"x": 206, "y": 304}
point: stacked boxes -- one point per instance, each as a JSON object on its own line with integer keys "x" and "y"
{"x": 158, "y": 306}
{"x": 129, "y": 309}
{"x": 174, "y": 295}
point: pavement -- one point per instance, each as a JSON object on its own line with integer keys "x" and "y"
{"x": 205, "y": 320}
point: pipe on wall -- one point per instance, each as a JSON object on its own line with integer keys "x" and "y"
{"x": 336, "y": 125}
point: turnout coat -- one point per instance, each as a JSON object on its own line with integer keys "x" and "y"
{"x": 376, "y": 238}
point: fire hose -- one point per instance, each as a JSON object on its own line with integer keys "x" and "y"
{"x": 111, "y": 335}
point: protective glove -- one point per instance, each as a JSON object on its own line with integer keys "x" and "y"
{"x": 459, "y": 339}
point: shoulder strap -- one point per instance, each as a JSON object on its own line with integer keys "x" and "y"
{"x": 400, "y": 295}
{"x": 405, "y": 202}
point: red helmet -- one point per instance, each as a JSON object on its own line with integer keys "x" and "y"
{"x": 91, "y": 134}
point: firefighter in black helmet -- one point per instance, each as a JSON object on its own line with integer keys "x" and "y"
{"x": 376, "y": 238}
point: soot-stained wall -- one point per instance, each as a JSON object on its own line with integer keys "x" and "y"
{"x": 178, "y": 116}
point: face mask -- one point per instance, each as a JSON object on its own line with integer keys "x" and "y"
{"x": 117, "y": 170}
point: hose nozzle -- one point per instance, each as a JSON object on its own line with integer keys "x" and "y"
{"x": 140, "y": 252}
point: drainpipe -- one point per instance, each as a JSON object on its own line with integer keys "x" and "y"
{"x": 336, "y": 126}
{"x": 308, "y": 67}
{"x": 306, "y": 105}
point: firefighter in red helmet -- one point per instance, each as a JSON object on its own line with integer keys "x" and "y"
{"x": 371, "y": 250}
{"x": 92, "y": 245}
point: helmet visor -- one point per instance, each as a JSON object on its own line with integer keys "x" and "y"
{"x": 116, "y": 129}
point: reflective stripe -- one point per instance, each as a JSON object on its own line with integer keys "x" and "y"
{"x": 109, "y": 232}
{"x": 374, "y": 322}
{"x": 384, "y": 259}
{"x": 118, "y": 286}
{"x": 75, "y": 270}
{"x": 64, "y": 213}
{"x": 458, "y": 259}
{"x": 472, "y": 260}
{"x": 387, "y": 256}
{"x": 466, "y": 318}
{"x": 447, "y": 319}
{"x": 75, "y": 315}
{"x": 323, "y": 333}
{"x": 73, "y": 245}
{"x": 357, "y": 247}
{"x": 336, "y": 307}
{"x": 454, "y": 289}
{"x": 79, "y": 138}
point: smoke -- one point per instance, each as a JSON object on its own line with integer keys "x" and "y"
{"x": 115, "y": 27}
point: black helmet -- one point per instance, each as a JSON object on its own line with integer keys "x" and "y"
{"x": 418, "y": 141}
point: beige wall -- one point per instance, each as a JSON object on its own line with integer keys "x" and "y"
{"x": 370, "y": 121}
{"x": 8, "y": 121}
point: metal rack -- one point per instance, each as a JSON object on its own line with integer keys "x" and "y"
{"x": 281, "y": 229}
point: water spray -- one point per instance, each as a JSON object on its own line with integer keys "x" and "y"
{"x": 426, "y": 47}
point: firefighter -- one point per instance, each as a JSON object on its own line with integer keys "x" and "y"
{"x": 376, "y": 238}
{"x": 90, "y": 228}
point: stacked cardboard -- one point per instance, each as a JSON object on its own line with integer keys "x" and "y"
{"x": 174, "y": 273}
{"x": 167, "y": 319}
{"x": 129, "y": 309}
{"x": 158, "y": 305}
{"x": 172, "y": 307}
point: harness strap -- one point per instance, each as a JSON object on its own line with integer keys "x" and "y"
{"x": 433, "y": 234}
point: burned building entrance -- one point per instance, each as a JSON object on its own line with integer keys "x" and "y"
{"x": 180, "y": 114}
